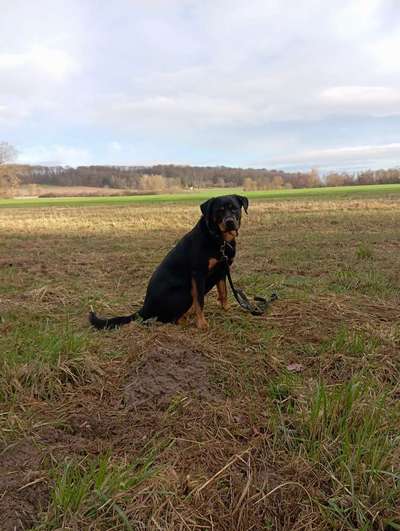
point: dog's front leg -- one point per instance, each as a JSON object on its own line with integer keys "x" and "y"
{"x": 222, "y": 293}
{"x": 198, "y": 290}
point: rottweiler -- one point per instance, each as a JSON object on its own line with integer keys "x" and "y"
{"x": 192, "y": 268}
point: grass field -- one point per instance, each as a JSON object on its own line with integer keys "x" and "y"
{"x": 289, "y": 421}
{"x": 339, "y": 192}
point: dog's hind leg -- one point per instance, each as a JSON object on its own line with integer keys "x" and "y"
{"x": 184, "y": 318}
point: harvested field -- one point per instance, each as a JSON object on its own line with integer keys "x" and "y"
{"x": 289, "y": 421}
{"x": 40, "y": 190}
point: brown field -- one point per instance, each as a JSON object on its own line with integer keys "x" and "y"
{"x": 37, "y": 190}
{"x": 289, "y": 421}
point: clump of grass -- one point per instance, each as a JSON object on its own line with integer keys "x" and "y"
{"x": 13, "y": 425}
{"x": 345, "y": 431}
{"x": 283, "y": 392}
{"x": 368, "y": 282}
{"x": 352, "y": 342}
{"x": 43, "y": 341}
{"x": 345, "y": 341}
{"x": 41, "y": 358}
{"x": 283, "y": 388}
{"x": 46, "y": 381}
{"x": 94, "y": 492}
{"x": 349, "y": 432}
{"x": 364, "y": 251}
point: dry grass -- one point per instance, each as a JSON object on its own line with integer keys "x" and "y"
{"x": 299, "y": 426}
{"x": 37, "y": 190}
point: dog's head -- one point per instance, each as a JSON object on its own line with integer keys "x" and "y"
{"x": 223, "y": 214}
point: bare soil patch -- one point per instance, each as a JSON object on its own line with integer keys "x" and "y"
{"x": 131, "y": 406}
{"x": 169, "y": 371}
{"x": 23, "y": 489}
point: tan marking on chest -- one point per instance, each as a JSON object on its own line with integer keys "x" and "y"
{"x": 230, "y": 236}
{"x": 212, "y": 263}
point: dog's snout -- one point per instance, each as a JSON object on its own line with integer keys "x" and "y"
{"x": 230, "y": 223}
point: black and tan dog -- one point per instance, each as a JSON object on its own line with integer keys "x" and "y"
{"x": 194, "y": 266}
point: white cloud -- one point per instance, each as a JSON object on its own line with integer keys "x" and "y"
{"x": 385, "y": 52}
{"x": 56, "y": 64}
{"x": 163, "y": 112}
{"x": 55, "y": 155}
{"x": 357, "y": 18}
{"x": 346, "y": 156}
{"x": 115, "y": 146}
{"x": 353, "y": 94}
{"x": 373, "y": 100}
{"x": 13, "y": 114}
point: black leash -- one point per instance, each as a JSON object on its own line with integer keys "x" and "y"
{"x": 260, "y": 303}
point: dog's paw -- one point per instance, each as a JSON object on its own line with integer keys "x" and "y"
{"x": 224, "y": 305}
{"x": 202, "y": 324}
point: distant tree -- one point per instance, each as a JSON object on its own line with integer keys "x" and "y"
{"x": 366, "y": 177}
{"x": 338, "y": 179}
{"x": 277, "y": 181}
{"x": 7, "y": 152}
{"x": 152, "y": 183}
{"x": 249, "y": 184}
{"x": 314, "y": 179}
{"x": 9, "y": 180}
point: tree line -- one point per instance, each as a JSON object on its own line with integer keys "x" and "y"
{"x": 170, "y": 175}
{"x": 133, "y": 177}
{"x": 163, "y": 177}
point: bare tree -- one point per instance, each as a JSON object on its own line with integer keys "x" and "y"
{"x": 335, "y": 179}
{"x": 7, "y": 152}
{"x": 152, "y": 183}
{"x": 9, "y": 181}
{"x": 249, "y": 184}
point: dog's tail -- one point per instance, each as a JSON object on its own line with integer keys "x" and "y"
{"x": 114, "y": 322}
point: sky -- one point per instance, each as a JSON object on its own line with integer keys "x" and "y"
{"x": 286, "y": 84}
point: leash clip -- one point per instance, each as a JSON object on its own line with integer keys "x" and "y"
{"x": 222, "y": 251}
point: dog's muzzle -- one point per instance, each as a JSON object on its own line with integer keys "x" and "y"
{"x": 231, "y": 223}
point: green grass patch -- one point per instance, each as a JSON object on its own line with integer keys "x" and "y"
{"x": 42, "y": 341}
{"x": 339, "y": 192}
{"x": 346, "y": 342}
{"x": 352, "y": 342}
{"x": 94, "y": 492}
{"x": 369, "y": 281}
{"x": 282, "y": 390}
{"x": 364, "y": 251}
{"x": 40, "y": 358}
{"x": 346, "y": 432}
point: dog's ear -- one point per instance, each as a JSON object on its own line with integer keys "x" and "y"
{"x": 206, "y": 207}
{"x": 244, "y": 202}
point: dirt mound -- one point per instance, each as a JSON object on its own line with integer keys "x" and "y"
{"x": 23, "y": 490}
{"x": 166, "y": 372}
